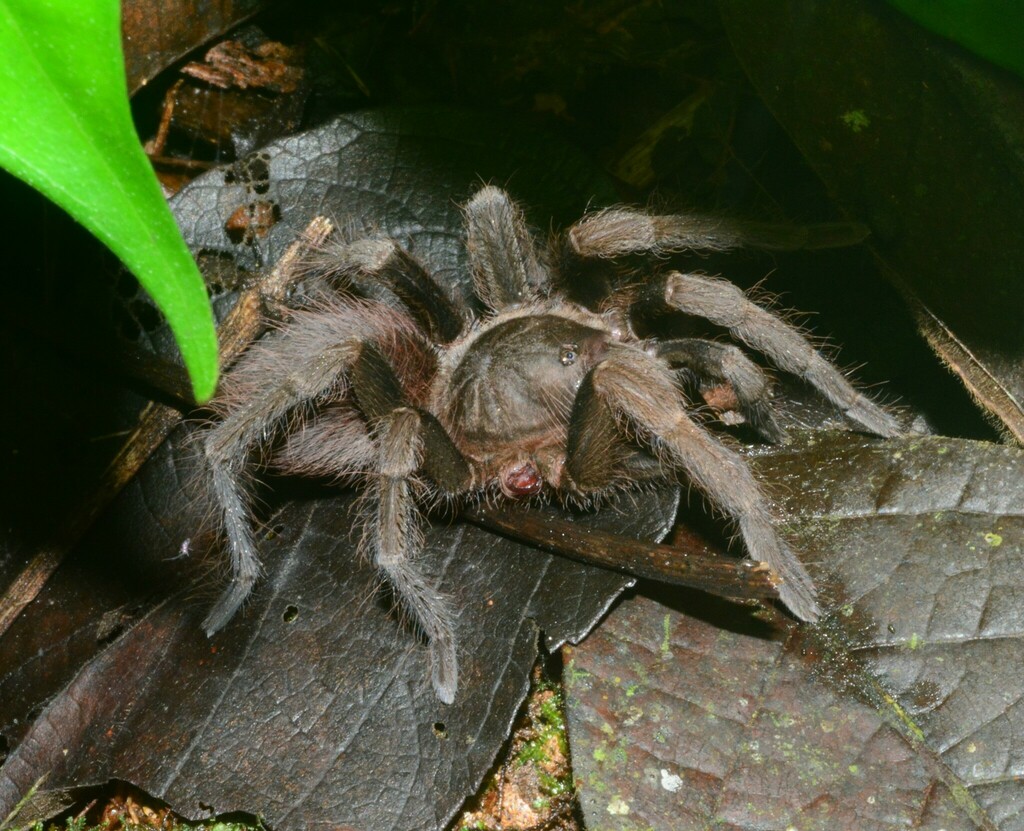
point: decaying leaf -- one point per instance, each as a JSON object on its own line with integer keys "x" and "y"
{"x": 315, "y": 703}
{"x": 902, "y": 710}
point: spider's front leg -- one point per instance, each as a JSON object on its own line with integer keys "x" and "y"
{"x": 639, "y": 388}
{"x": 617, "y": 232}
{"x": 724, "y": 304}
{"x": 408, "y": 441}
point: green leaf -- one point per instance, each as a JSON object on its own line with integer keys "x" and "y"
{"x": 993, "y": 29}
{"x": 66, "y": 129}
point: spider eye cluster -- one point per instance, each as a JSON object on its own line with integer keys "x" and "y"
{"x": 570, "y": 352}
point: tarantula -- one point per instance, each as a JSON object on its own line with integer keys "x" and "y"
{"x": 393, "y": 384}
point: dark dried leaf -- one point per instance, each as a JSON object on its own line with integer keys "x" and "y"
{"x": 400, "y": 171}
{"x": 923, "y": 142}
{"x": 901, "y": 710}
{"x": 314, "y": 705}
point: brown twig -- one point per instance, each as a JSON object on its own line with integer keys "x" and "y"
{"x": 243, "y": 324}
{"x": 695, "y": 566}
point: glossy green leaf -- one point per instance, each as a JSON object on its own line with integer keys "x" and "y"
{"x": 66, "y": 129}
{"x": 993, "y": 29}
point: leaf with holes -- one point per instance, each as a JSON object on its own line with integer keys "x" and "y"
{"x": 318, "y": 669}
{"x": 315, "y": 695}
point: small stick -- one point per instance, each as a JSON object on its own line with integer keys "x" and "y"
{"x": 243, "y": 324}
{"x": 696, "y": 565}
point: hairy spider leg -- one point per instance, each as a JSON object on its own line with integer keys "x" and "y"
{"x": 382, "y": 270}
{"x": 725, "y": 363}
{"x": 408, "y": 440}
{"x": 726, "y": 305}
{"x": 333, "y": 443}
{"x": 640, "y": 388}
{"x": 314, "y": 369}
{"x": 616, "y": 232}
{"x": 503, "y": 256}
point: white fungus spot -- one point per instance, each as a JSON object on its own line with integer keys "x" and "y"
{"x": 671, "y": 782}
